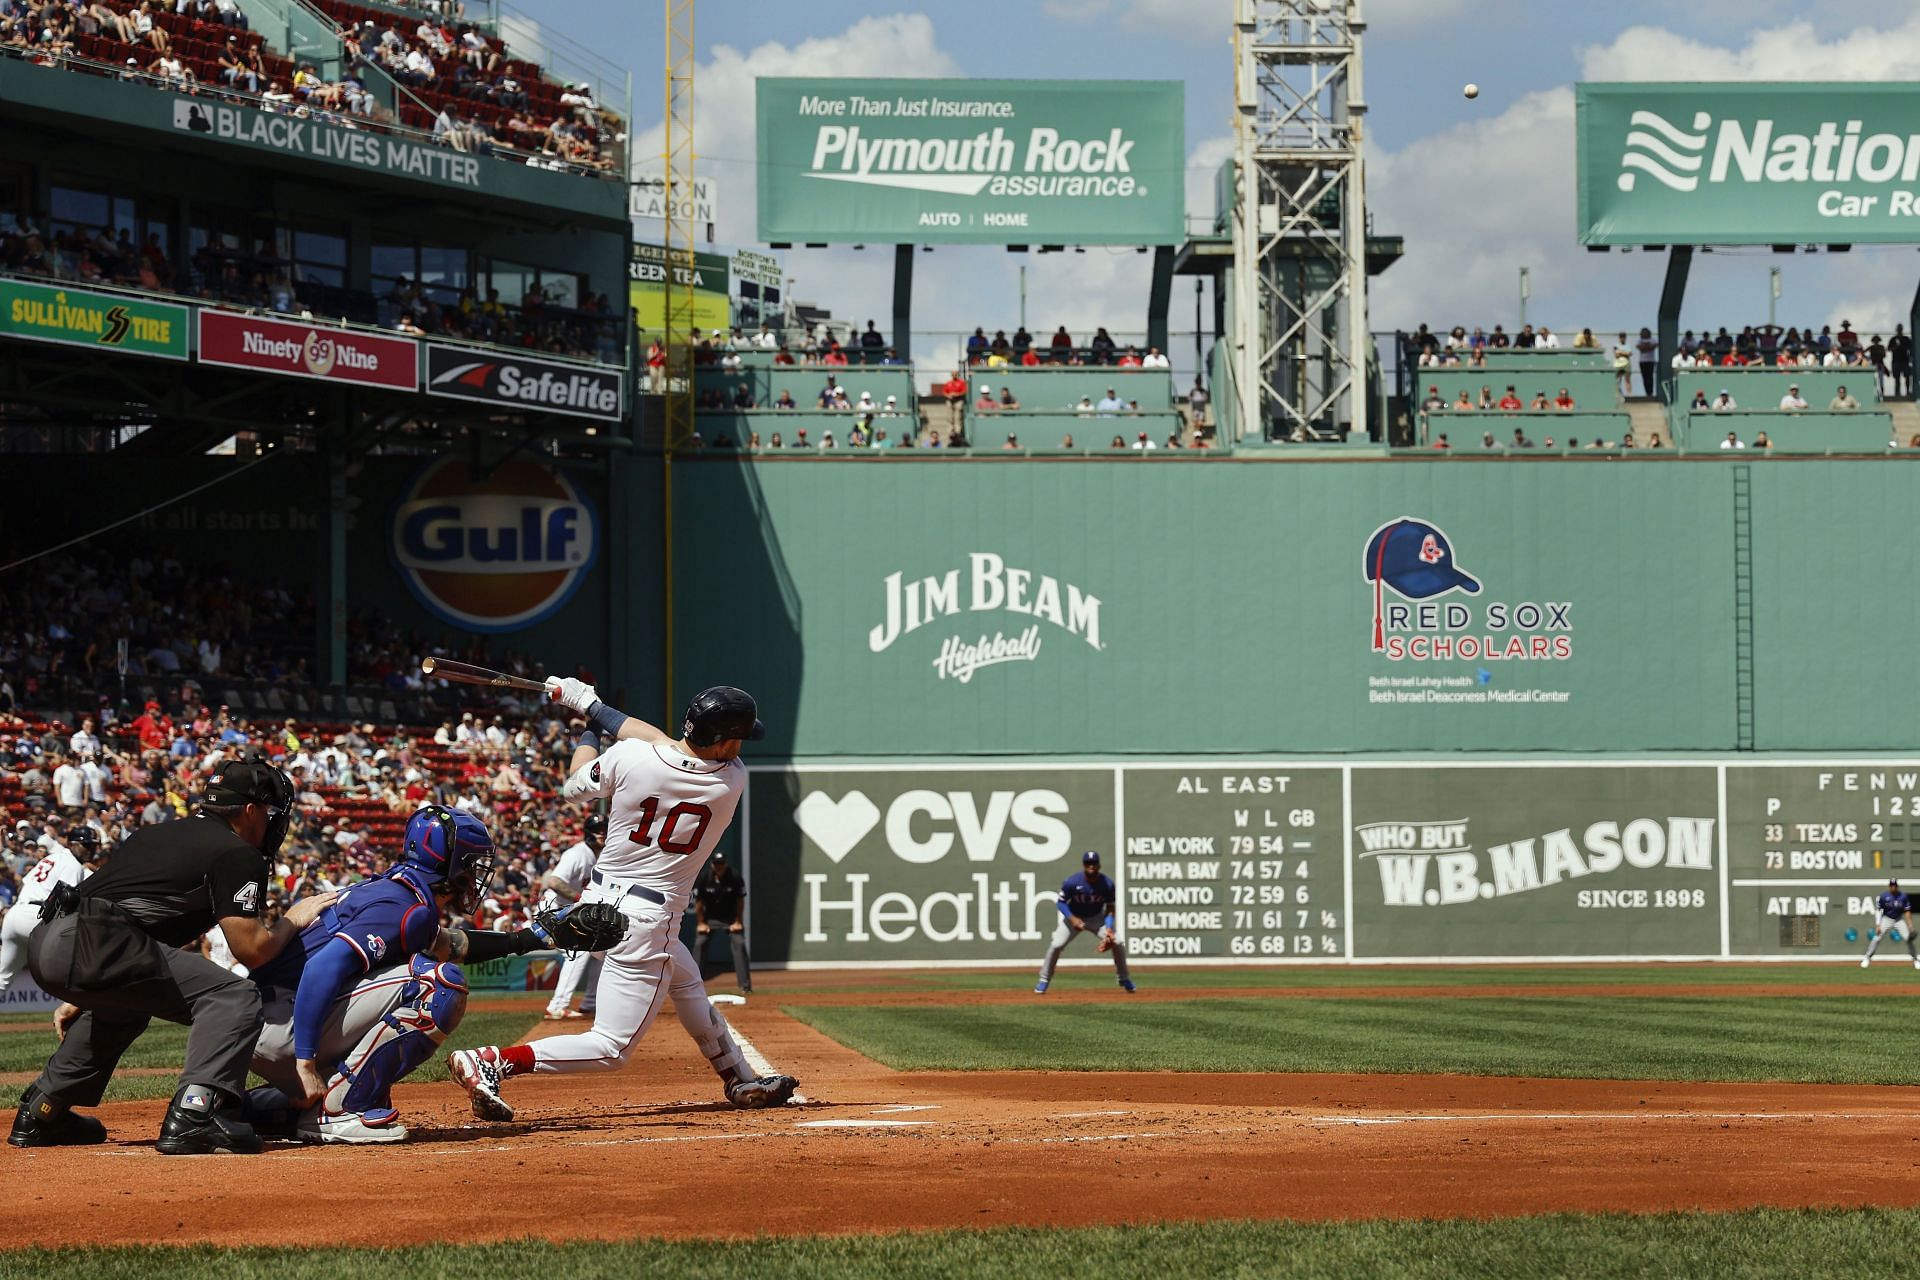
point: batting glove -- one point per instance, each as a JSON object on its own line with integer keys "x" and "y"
{"x": 573, "y": 694}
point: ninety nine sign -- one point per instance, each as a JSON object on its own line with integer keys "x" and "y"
{"x": 1748, "y": 163}
{"x": 60, "y": 314}
{"x": 972, "y": 161}
{"x": 308, "y": 351}
{"x": 544, "y": 386}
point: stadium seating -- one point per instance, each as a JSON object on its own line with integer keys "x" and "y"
{"x": 1465, "y": 429}
{"x": 1063, "y": 388}
{"x": 1044, "y": 428}
{"x": 1591, "y": 389}
{"x": 1761, "y": 388}
{"x": 804, "y": 384}
{"x": 1858, "y": 431}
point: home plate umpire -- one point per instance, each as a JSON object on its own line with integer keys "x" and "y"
{"x": 110, "y": 948}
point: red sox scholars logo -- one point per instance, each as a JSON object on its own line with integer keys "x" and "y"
{"x": 1415, "y": 560}
{"x": 497, "y": 553}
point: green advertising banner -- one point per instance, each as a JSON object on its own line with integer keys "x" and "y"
{"x": 81, "y": 317}
{"x": 936, "y": 865}
{"x": 1285, "y": 862}
{"x": 1530, "y": 860}
{"x": 1748, "y": 163}
{"x": 972, "y": 161}
{"x": 648, "y": 274}
{"x": 1032, "y": 610}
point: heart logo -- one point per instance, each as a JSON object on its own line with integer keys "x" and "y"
{"x": 836, "y": 826}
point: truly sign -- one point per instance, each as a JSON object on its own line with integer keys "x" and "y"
{"x": 1748, "y": 164}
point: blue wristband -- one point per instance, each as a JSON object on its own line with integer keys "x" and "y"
{"x": 1109, "y": 921}
{"x": 607, "y": 720}
{"x": 588, "y": 738}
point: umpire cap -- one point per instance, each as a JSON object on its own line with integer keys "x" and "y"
{"x": 720, "y": 713}
{"x": 248, "y": 780}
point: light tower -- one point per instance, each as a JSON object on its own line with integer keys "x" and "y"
{"x": 1300, "y": 345}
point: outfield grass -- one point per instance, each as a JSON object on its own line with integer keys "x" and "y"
{"x": 1889, "y": 974}
{"x": 1655, "y": 1038}
{"x": 1761, "y": 1243}
{"x": 163, "y": 1045}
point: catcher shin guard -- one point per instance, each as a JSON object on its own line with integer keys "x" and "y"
{"x": 430, "y": 1006}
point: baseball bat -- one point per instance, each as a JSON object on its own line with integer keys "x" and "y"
{"x": 467, "y": 673}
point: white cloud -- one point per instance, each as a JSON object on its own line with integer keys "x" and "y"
{"x": 1478, "y": 201}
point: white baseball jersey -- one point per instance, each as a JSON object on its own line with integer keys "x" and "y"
{"x": 574, "y": 866}
{"x": 668, "y": 812}
{"x": 58, "y": 867}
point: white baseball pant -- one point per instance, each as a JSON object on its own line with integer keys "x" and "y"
{"x": 639, "y": 972}
{"x": 1065, "y": 934}
{"x": 580, "y": 968}
{"x": 15, "y": 929}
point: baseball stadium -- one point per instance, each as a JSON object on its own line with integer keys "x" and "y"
{"x": 594, "y": 597}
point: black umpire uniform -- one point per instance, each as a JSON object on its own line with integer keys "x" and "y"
{"x": 717, "y": 896}
{"x": 112, "y": 947}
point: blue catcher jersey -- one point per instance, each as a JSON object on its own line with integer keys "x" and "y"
{"x": 385, "y": 921}
{"x": 1894, "y": 904}
{"x": 1088, "y": 895}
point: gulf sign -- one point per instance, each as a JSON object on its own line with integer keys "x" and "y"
{"x": 494, "y": 553}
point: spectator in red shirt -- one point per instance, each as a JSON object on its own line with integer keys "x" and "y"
{"x": 1563, "y": 402}
{"x": 1510, "y": 402}
{"x": 1029, "y": 357}
{"x": 954, "y": 389}
{"x": 1061, "y": 342}
{"x": 154, "y": 728}
{"x": 1131, "y": 360}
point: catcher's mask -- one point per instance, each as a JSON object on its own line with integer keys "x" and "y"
{"x": 453, "y": 848}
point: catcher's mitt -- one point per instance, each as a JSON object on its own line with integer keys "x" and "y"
{"x": 584, "y": 926}
{"x": 1106, "y": 940}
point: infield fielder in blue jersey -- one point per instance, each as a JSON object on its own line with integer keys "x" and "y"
{"x": 1084, "y": 899}
{"x": 1893, "y": 914}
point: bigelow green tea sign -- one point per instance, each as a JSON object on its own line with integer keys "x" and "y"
{"x": 971, "y": 161}
{"x": 1748, "y": 163}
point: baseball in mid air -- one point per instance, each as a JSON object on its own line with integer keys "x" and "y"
{"x": 1471, "y": 91}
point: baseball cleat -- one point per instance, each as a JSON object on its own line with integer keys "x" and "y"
{"x": 1126, "y": 984}
{"x": 353, "y": 1129}
{"x": 1864, "y": 963}
{"x": 1040, "y": 987}
{"x": 478, "y": 1072}
{"x": 765, "y": 1091}
{"x": 190, "y": 1131}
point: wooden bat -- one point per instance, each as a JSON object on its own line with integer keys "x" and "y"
{"x": 467, "y": 673}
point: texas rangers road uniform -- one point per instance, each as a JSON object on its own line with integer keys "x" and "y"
{"x": 57, "y": 868}
{"x": 576, "y": 869}
{"x": 1891, "y": 907}
{"x": 668, "y": 810}
{"x": 1089, "y": 897}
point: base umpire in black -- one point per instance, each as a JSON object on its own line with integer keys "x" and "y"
{"x": 718, "y": 898}
{"x": 111, "y": 949}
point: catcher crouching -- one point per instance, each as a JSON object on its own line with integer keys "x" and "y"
{"x": 371, "y": 989}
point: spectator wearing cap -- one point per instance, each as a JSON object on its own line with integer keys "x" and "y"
{"x": 1723, "y": 402}
{"x": 1563, "y": 402}
{"x": 1110, "y": 404}
{"x": 1509, "y": 402}
{"x": 1143, "y": 442}
{"x": 986, "y": 403}
{"x": 1793, "y": 399}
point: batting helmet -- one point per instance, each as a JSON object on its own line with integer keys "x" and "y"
{"x": 446, "y": 845}
{"x": 720, "y": 713}
{"x": 594, "y": 826}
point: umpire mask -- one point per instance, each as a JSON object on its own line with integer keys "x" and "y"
{"x": 253, "y": 779}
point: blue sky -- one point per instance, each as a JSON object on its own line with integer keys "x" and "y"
{"x": 1476, "y": 188}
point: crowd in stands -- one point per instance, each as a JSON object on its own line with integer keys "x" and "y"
{"x": 357, "y": 785}
{"x": 1000, "y": 351}
{"x": 457, "y": 81}
{"x": 1767, "y": 345}
{"x": 1509, "y": 401}
{"x": 1521, "y": 440}
{"x": 200, "y": 632}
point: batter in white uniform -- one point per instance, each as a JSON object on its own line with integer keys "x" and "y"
{"x": 60, "y": 866}
{"x": 564, "y": 884}
{"x": 670, "y": 803}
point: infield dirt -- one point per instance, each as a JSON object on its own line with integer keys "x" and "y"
{"x": 653, "y": 1151}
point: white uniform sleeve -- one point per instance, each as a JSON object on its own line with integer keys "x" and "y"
{"x": 594, "y": 778}
{"x": 575, "y": 866}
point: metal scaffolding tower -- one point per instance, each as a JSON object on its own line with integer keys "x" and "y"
{"x": 1300, "y": 345}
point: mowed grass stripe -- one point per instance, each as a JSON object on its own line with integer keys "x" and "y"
{"x": 164, "y": 1045}
{"x": 1763, "y": 1244}
{"x": 1787, "y": 1039}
